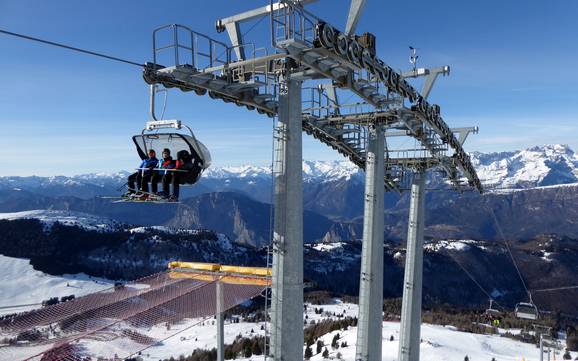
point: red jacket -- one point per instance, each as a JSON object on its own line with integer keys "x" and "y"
{"x": 168, "y": 164}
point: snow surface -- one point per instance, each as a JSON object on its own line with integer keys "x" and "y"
{"x": 327, "y": 247}
{"x": 68, "y": 218}
{"x": 455, "y": 245}
{"x": 439, "y": 343}
{"x": 20, "y": 284}
{"x": 164, "y": 229}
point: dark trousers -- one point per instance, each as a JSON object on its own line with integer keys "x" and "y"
{"x": 173, "y": 179}
{"x": 176, "y": 185}
{"x": 138, "y": 181}
{"x": 167, "y": 178}
{"x": 155, "y": 180}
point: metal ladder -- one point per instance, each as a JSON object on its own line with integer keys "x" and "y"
{"x": 267, "y": 323}
{"x": 273, "y": 248}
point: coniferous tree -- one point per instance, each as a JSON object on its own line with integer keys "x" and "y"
{"x": 319, "y": 346}
{"x": 335, "y": 341}
{"x": 308, "y": 353}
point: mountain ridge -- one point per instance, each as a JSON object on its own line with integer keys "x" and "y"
{"x": 536, "y": 166}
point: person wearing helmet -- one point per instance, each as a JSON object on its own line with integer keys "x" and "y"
{"x": 141, "y": 178}
{"x": 183, "y": 165}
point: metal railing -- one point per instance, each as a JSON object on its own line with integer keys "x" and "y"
{"x": 291, "y": 22}
{"x": 189, "y": 47}
{"x": 251, "y": 70}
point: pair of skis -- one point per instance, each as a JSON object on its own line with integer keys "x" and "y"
{"x": 134, "y": 198}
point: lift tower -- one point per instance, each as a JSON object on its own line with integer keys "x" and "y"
{"x": 287, "y": 285}
{"x": 300, "y": 78}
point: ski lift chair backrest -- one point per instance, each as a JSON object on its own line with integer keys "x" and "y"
{"x": 492, "y": 312}
{"x": 526, "y": 311}
{"x": 175, "y": 142}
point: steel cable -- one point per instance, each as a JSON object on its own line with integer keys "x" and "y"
{"x": 89, "y": 52}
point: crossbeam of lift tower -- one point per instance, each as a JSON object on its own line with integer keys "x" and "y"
{"x": 274, "y": 80}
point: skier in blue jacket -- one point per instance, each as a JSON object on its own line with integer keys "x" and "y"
{"x": 143, "y": 175}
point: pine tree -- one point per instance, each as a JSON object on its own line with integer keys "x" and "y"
{"x": 308, "y": 353}
{"x": 325, "y": 353}
{"x": 319, "y": 346}
{"x": 256, "y": 347}
{"x": 335, "y": 341}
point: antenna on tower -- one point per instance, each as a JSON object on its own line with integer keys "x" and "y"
{"x": 413, "y": 57}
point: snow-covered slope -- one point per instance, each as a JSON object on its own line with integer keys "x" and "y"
{"x": 78, "y": 219}
{"x": 438, "y": 343}
{"x": 22, "y": 285}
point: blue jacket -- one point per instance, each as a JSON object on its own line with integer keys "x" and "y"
{"x": 149, "y": 163}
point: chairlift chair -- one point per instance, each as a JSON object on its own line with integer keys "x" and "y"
{"x": 176, "y": 142}
{"x": 186, "y": 147}
{"x": 195, "y": 154}
{"x": 492, "y": 312}
{"x": 526, "y": 311}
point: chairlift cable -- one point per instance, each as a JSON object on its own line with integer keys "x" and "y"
{"x": 556, "y": 289}
{"x": 509, "y": 252}
{"x": 60, "y": 45}
{"x": 474, "y": 280}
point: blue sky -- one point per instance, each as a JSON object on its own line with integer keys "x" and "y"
{"x": 513, "y": 74}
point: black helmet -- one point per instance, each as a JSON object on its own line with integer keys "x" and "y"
{"x": 167, "y": 150}
{"x": 183, "y": 155}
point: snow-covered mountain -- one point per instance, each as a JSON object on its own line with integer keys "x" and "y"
{"x": 48, "y": 217}
{"x": 533, "y": 167}
{"x": 323, "y": 171}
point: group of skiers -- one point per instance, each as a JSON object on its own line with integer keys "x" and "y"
{"x": 169, "y": 172}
